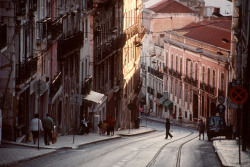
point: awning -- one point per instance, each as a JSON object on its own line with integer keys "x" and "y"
{"x": 163, "y": 98}
{"x": 141, "y": 98}
{"x": 157, "y": 101}
{"x": 168, "y": 104}
{"x": 95, "y": 97}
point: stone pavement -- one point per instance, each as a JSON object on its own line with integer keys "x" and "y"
{"x": 228, "y": 152}
{"x": 12, "y": 153}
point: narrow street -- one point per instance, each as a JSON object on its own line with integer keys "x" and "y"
{"x": 143, "y": 150}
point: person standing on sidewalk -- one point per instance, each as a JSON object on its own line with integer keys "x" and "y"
{"x": 201, "y": 129}
{"x": 36, "y": 127}
{"x": 48, "y": 124}
{"x": 167, "y": 125}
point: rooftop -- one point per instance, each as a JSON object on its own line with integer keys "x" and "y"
{"x": 170, "y": 6}
{"x": 214, "y": 32}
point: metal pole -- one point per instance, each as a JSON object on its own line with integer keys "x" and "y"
{"x": 38, "y": 106}
{"x": 238, "y": 119}
{"x": 74, "y": 127}
{"x": 129, "y": 120}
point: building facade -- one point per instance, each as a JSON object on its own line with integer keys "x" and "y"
{"x": 197, "y": 68}
{"x": 158, "y": 18}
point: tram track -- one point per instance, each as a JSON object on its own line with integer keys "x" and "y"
{"x": 143, "y": 138}
{"x": 178, "y": 159}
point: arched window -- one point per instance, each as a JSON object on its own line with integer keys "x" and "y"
{"x": 176, "y": 62}
{"x": 213, "y": 84}
{"x": 196, "y": 71}
{"x": 208, "y": 76}
{"x": 191, "y": 70}
{"x": 181, "y": 65}
{"x": 203, "y": 74}
{"x": 172, "y": 61}
{"x": 166, "y": 59}
{"x": 222, "y": 81}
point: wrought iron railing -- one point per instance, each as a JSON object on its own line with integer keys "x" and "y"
{"x": 26, "y": 70}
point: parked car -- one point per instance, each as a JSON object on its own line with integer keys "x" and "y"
{"x": 216, "y": 126}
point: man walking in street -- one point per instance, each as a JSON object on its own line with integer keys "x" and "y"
{"x": 48, "y": 124}
{"x": 167, "y": 125}
{"x": 201, "y": 129}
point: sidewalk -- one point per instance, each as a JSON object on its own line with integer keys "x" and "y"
{"x": 228, "y": 152}
{"x": 12, "y": 153}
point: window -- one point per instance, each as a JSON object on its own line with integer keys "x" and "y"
{"x": 213, "y": 78}
{"x": 181, "y": 65}
{"x": 166, "y": 59}
{"x": 191, "y": 70}
{"x": 171, "y": 90}
{"x": 203, "y": 74}
{"x": 222, "y": 81}
{"x": 186, "y": 94}
{"x": 172, "y": 61}
{"x": 196, "y": 71}
{"x": 208, "y": 76}
{"x": 166, "y": 85}
{"x": 190, "y": 98}
{"x": 86, "y": 29}
{"x": 180, "y": 91}
{"x": 186, "y": 67}
{"x": 176, "y": 63}
{"x": 176, "y": 88}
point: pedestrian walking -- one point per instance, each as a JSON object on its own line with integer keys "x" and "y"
{"x": 201, "y": 129}
{"x": 104, "y": 127}
{"x": 36, "y": 127}
{"x": 112, "y": 127}
{"x": 100, "y": 127}
{"x": 48, "y": 125}
{"x": 142, "y": 111}
{"x": 167, "y": 125}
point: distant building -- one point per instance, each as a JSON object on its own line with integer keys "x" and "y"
{"x": 158, "y": 18}
{"x": 196, "y": 72}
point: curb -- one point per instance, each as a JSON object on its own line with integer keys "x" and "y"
{"x": 137, "y": 134}
{"x": 182, "y": 125}
{"x": 220, "y": 156}
{"x": 25, "y": 159}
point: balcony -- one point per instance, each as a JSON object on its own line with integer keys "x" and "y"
{"x": 170, "y": 71}
{"x": 178, "y": 75}
{"x": 21, "y": 8}
{"x": 188, "y": 80}
{"x": 221, "y": 92}
{"x": 159, "y": 95}
{"x": 155, "y": 72}
{"x": 33, "y": 5}
{"x": 150, "y": 90}
{"x": 86, "y": 86}
{"x": 26, "y": 70}
{"x": 56, "y": 30}
{"x": 137, "y": 87}
{"x": 202, "y": 86}
{"x": 55, "y": 85}
{"x": 194, "y": 82}
{"x": 207, "y": 88}
{"x": 69, "y": 45}
{"x": 143, "y": 66}
{"x": 165, "y": 69}
{"x": 3, "y": 35}
{"x": 43, "y": 29}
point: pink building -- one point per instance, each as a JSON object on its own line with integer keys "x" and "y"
{"x": 196, "y": 71}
